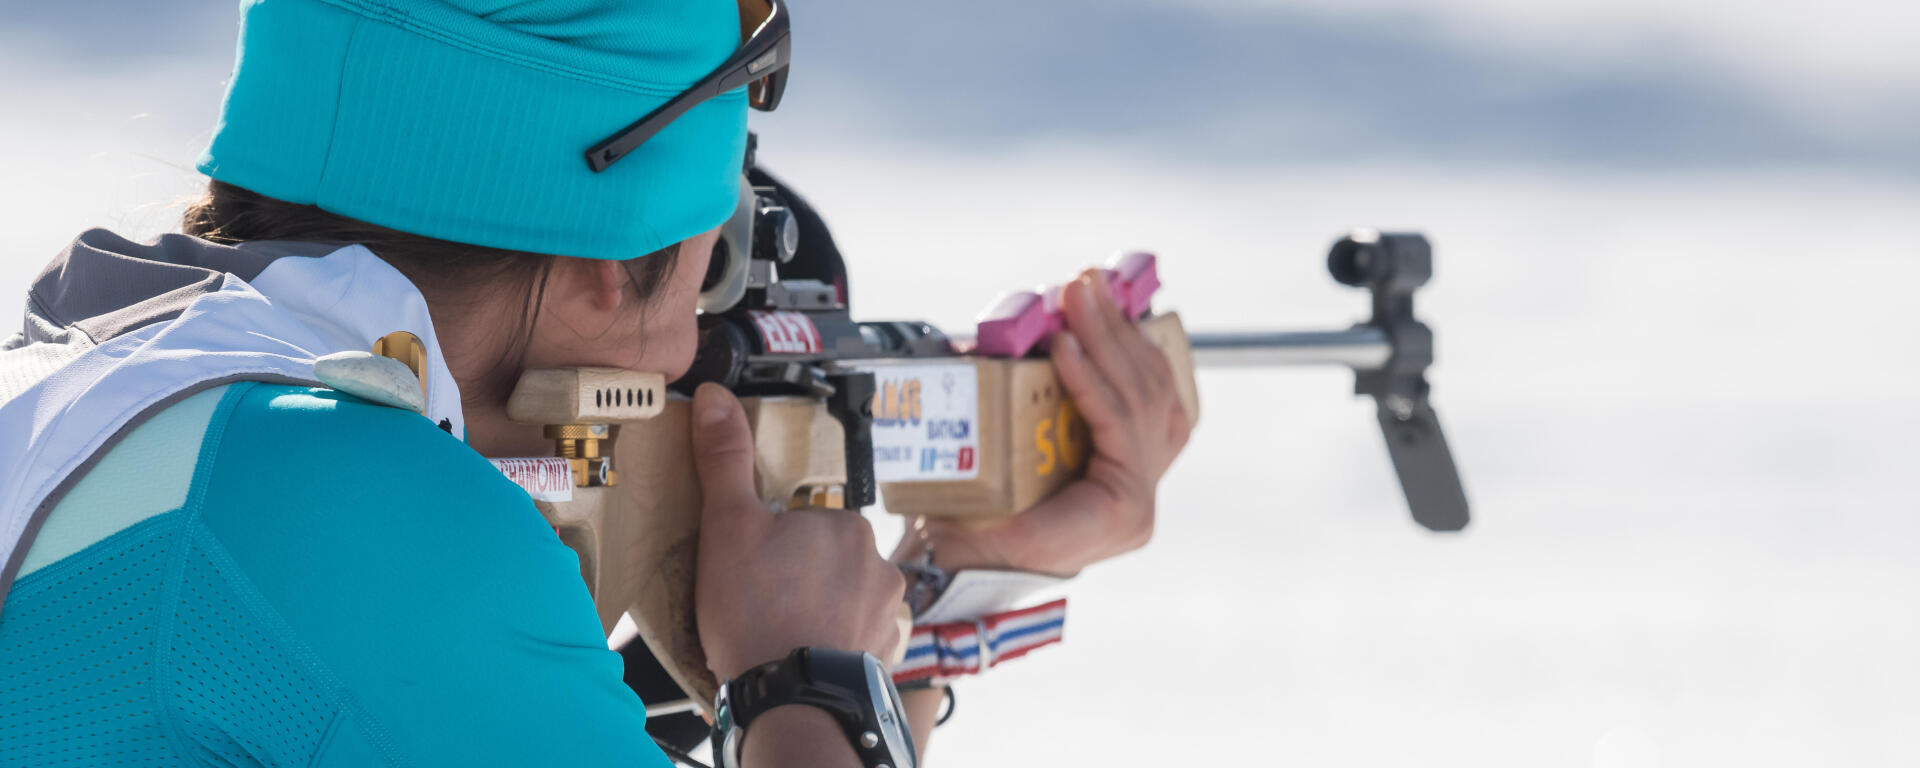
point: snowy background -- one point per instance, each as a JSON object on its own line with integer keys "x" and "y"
{"x": 1675, "y": 249}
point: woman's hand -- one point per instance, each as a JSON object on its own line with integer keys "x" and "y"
{"x": 767, "y": 583}
{"x": 1124, "y": 387}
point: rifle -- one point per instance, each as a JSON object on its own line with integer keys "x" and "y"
{"x": 845, "y": 412}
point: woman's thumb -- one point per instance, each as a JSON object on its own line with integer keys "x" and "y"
{"x": 723, "y": 453}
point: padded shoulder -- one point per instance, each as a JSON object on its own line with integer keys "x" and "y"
{"x": 147, "y": 474}
{"x": 424, "y": 580}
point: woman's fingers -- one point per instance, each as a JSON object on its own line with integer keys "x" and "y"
{"x": 1137, "y": 369}
{"x": 1124, "y": 387}
{"x": 1097, "y": 323}
{"x": 1159, "y": 390}
{"x": 1092, "y": 390}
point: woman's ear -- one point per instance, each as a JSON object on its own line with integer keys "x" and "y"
{"x": 608, "y": 284}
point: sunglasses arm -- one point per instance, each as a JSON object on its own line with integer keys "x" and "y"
{"x": 740, "y": 70}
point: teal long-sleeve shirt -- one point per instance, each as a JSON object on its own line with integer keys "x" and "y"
{"x": 274, "y": 575}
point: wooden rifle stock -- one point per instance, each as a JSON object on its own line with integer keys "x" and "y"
{"x": 637, "y": 538}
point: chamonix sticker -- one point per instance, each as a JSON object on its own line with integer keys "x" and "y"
{"x": 926, "y": 422}
{"x": 545, "y": 478}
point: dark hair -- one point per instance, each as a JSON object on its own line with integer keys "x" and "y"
{"x": 446, "y": 273}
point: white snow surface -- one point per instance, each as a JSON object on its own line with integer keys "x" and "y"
{"x": 1683, "y": 407}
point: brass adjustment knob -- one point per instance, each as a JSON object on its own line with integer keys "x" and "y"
{"x": 579, "y": 444}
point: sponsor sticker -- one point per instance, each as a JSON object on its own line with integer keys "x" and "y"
{"x": 926, "y": 422}
{"x": 545, "y": 479}
{"x": 786, "y": 333}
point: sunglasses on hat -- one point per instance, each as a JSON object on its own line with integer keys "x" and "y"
{"x": 760, "y": 64}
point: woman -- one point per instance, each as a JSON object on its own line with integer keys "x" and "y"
{"x": 210, "y": 559}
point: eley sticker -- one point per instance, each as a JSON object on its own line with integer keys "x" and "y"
{"x": 786, "y": 333}
{"x": 926, "y": 422}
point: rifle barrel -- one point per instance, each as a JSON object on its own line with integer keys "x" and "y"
{"x": 1362, "y": 348}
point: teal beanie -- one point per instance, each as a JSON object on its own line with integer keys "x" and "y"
{"x": 469, "y": 120}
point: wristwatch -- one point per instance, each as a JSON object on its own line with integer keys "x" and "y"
{"x": 854, "y": 688}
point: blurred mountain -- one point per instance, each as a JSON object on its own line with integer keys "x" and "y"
{"x": 1294, "y": 86}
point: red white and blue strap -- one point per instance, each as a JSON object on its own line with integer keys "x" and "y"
{"x": 970, "y": 647}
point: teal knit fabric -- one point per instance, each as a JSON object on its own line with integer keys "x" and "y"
{"x": 468, "y": 120}
{"x": 344, "y": 585}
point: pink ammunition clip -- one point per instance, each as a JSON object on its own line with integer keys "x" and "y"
{"x": 1023, "y": 321}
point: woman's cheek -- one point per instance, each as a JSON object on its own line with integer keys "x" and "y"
{"x": 670, "y": 343}
{"x": 670, "y": 335}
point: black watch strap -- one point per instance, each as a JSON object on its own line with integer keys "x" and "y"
{"x": 778, "y": 683}
{"x": 852, "y": 688}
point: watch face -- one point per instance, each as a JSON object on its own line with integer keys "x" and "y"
{"x": 887, "y": 709}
